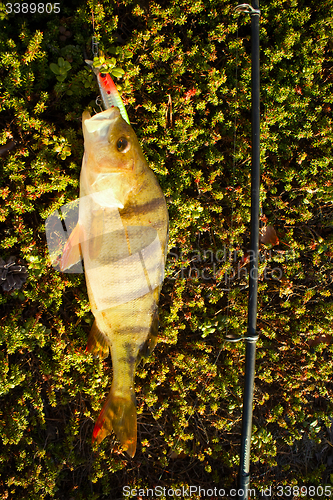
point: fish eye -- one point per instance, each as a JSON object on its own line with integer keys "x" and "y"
{"x": 123, "y": 145}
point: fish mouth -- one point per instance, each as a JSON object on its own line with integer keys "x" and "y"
{"x": 102, "y": 121}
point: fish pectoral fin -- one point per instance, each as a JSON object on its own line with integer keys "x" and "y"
{"x": 119, "y": 414}
{"x": 72, "y": 251}
{"x": 97, "y": 344}
{"x": 151, "y": 341}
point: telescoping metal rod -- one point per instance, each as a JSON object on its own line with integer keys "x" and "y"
{"x": 250, "y": 354}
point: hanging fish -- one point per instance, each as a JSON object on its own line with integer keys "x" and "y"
{"x": 122, "y": 236}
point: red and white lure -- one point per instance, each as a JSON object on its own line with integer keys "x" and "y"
{"x": 109, "y": 93}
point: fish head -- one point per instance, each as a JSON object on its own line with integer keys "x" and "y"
{"x": 113, "y": 160}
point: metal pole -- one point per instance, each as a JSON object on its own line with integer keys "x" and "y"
{"x": 244, "y": 467}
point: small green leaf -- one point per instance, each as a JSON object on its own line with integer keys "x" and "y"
{"x": 322, "y": 248}
{"x": 111, "y": 62}
{"x": 117, "y": 72}
{"x": 67, "y": 66}
{"x": 54, "y": 68}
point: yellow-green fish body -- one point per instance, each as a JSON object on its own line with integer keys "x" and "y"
{"x": 122, "y": 237}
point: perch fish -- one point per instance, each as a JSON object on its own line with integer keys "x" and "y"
{"x": 121, "y": 235}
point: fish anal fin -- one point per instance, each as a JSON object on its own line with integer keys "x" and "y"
{"x": 151, "y": 341}
{"x": 97, "y": 344}
{"x": 118, "y": 414}
{"x": 72, "y": 251}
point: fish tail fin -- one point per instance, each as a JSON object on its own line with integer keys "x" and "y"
{"x": 151, "y": 341}
{"x": 97, "y": 343}
{"x": 118, "y": 414}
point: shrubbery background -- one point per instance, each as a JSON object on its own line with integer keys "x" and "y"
{"x": 192, "y": 117}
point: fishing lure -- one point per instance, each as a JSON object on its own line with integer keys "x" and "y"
{"x": 109, "y": 93}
